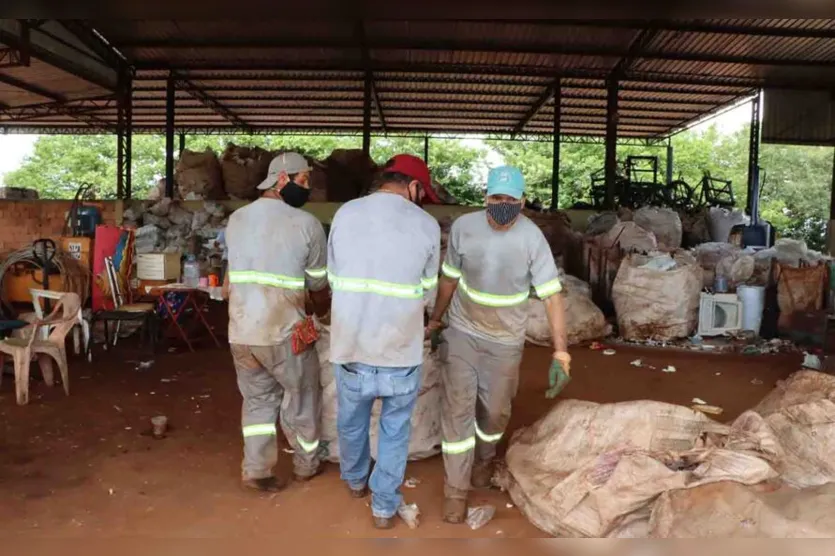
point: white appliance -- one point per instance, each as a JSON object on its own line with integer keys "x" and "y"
{"x": 719, "y": 314}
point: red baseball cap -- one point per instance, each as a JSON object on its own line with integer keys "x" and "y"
{"x": 415, "y": 168}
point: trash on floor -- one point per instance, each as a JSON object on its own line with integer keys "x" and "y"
{"x": 480, "y": 516}
{"x": 637, "y": 363}
{"x": 143, "y": 365}
{"x": 410, "y": 514}
{"x": 811, "y": 361}
{"x": 699, "y": 401}
{"x": 668, "y": 369}
{"x": 609, "y": 352}
{"x": 411, "y": 483}
{"x": 708, "y": 409}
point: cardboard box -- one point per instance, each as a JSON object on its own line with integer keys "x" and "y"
{"x": 158, "y": 266}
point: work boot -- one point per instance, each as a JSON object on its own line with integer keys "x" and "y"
{"x": 265, "y": 485}
{"x": 383, "y": 523}
{"x": 482, "y": 476}
{"x": 301, "y": 478}
{"x": 455, "y": 510}
{"x": 358, "y": 493}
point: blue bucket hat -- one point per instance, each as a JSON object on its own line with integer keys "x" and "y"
{"x": 506, "y": 180}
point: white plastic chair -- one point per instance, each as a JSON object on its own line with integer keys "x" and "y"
{"x": 83, "y": 325}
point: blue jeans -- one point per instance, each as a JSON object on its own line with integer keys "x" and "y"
{"x": 358, "y": 386}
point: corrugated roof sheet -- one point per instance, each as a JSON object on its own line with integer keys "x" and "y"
{"x": 445, "y": 75}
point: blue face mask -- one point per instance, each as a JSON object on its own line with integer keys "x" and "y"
{"x": 504, "y": 213}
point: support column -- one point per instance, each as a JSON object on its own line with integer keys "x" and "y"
{"x": 182, "y": 142}
{"x": 124, "y": 129}
{"x": 611, "y": 142}
{"x": 830, "y": 236}
{"x": 752, "y": 203}
{"x": 555, "y": 163}
{"x": 366, "y": 116}
{"x": 670, "y": 162}
{"x": 426, "y": 149}
{"x": 170, "y": 98}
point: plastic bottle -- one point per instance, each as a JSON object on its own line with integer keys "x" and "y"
{"x": 191, "y": 272}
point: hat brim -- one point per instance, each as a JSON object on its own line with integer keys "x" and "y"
{"x": 515, "y": 193}
{"x": 268, "y": 183}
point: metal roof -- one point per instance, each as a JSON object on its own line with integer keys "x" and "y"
{"x": 458, "y": 76}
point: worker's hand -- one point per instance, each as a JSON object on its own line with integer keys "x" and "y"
{"x": 558, "y": 379}
{"x": 565, "y": 360}
{"x": 431, "y": 328}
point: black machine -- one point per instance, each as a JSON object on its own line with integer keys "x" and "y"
{"x": 43, "y": 253}
{"x": 758, "y": 233}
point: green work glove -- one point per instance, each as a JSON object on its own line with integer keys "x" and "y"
{"x": 558, "y": 380}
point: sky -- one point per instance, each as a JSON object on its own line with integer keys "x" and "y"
{"x": 15, "y": 148}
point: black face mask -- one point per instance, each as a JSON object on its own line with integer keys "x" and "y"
{"x": 504, "y": 213}
{"x": 295, "y": 195}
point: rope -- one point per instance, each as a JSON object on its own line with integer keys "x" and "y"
{"x": 77, "y": 278}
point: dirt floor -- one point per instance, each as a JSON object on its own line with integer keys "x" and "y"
{"x": 86, "y": 465}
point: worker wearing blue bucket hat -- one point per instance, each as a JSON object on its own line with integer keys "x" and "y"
{"x": 494, "y": 258}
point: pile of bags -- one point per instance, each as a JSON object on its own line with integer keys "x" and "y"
{"x": 169, "y": 226}
{"x": 649, "y": 469}
{"x": 657, "y": 296}
{"x": 426, "y": 436}
{"x": 584, "y": 320}
{"x": 244, "y": 168}
{"x": 198, "y": 176}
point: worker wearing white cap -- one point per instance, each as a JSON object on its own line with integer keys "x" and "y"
{"x": 276, "y": 252}
{"x": 494, "y": 258}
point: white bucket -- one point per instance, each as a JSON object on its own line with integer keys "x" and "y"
{"x": 753, "y": 303}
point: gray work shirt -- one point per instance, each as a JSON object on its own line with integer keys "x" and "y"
{"x": 383, "y": 259}
{"x": 275, "y": 252}
{"x": 496, "y": 271}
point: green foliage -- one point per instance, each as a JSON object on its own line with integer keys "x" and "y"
{"x": 796, "y": 181}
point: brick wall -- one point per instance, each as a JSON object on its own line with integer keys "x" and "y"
{"x": 22, "y": 222}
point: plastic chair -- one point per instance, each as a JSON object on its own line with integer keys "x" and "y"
{"x": 83, "y": 325}
{"x": 23, "y": 347}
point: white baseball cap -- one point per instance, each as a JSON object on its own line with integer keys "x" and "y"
{"x": 289, "y": 162}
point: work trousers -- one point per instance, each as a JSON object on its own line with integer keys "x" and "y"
{"x": 275, "y": 384}
{"x": 479, "y": 379}
{"x": 358, "y": 387}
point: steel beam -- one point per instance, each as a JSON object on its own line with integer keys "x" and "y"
{"x": 366, "y": 116}
{"x": 713, "y": 80}
{"x": 171, "y": 93}
{"x": 543, "y": 99}
{"x": 182, "y": 143}
{"x": 611, "y": 143}
{"x": 124, "y": 139}
{"x": 555, "y": 163}
{"x": 209, "y": 102}
{"x": 832, "y": 205}
{"x": 426, "y": 149}
{"x": 670, "y": 162}
{"x": 636, "y": 50}
{"x": 74, "y": 108}
{"x": 94, "y": 41}
{"x": 754, "y": 158}
{"x": 458, "y": 45}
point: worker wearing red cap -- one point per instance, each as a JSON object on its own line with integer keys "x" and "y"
{"x": 383, "y": 265}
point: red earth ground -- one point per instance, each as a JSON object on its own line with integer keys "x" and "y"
{"x": 85, "y": 465}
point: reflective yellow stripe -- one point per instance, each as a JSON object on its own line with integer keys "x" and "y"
{"x": 493, "y": 300}
{"x": 309, "y": 447}
{"x": 429, "y": 283}
{"x": 457, "y": 448}
{"x": 317, "y": 272}
{"x": 390, "y": 289}
{"x": 266, "y": 279}
{"x": 450, "y": 271}
{"x": 549, "y": 288}
{"x": 259, "y": 430}
{"x": 489, "y": 438}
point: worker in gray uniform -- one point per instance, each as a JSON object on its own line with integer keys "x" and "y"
{"x": 494, "y": 258}
{"x": 276, "y": 251}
